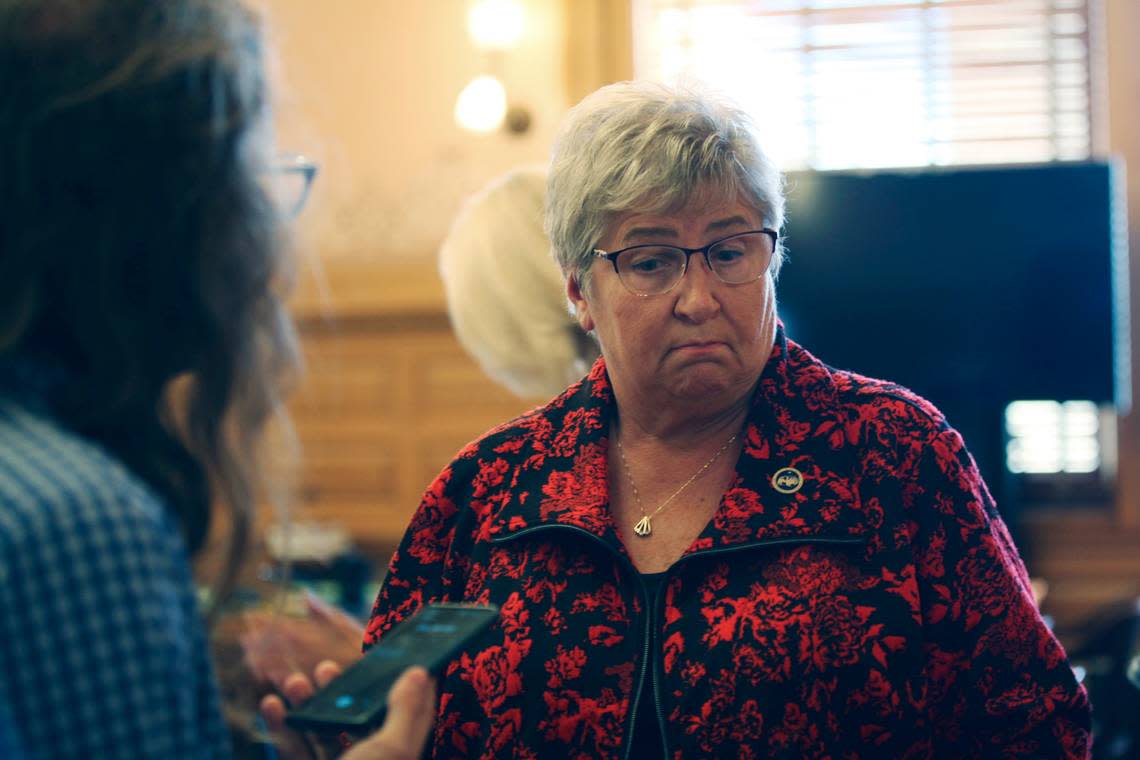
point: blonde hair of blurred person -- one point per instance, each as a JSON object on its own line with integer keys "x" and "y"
{"x": 505, "y": 292}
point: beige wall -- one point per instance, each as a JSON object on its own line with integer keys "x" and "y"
{"x": 367, "y": 87}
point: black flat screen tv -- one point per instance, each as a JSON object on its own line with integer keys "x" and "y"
{"x": 974, "y": 287}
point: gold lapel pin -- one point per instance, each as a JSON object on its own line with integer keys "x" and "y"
{"x": 788, "y": 480}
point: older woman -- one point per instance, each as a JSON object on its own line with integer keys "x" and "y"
{"x": 714, "y": 544}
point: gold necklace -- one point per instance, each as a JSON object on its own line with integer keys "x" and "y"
{"x": 643, "y": 527}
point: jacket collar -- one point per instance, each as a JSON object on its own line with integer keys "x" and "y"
{"x": 561, "y": 475}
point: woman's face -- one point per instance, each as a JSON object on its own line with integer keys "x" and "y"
{"x": 704, "y": 341}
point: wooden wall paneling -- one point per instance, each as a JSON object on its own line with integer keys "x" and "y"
{"x": 1089, "y": 560}
{"x": 351, "y": 464}
{"x": 389, "y": 397}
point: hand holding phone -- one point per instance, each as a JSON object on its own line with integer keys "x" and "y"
{"x": 356, "y": 700}
{"x": 411, "y": 715}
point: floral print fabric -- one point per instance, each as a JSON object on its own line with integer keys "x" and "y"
{"x": 879, "y": 611}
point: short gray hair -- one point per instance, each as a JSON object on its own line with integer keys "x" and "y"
{"x": 641, "y": 146}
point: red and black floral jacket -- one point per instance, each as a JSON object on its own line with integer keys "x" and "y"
{"x": 880, "y": 611}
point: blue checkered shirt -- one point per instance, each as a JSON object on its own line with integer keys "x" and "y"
{"x": 103, "y": 652}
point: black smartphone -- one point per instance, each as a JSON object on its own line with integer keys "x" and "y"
{"x": 356, "y": 700}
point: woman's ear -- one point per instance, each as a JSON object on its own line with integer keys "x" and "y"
{"x": 576, "y": 293}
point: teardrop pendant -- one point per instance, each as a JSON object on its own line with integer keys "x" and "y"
{"x": 643, "y": 528}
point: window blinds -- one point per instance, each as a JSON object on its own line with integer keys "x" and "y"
{"x": 845, "y": 84}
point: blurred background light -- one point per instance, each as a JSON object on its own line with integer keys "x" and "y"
{"x": 482, "y": 105}
{"x": 1052, "y": 437}
{"x": 496, "y": 24}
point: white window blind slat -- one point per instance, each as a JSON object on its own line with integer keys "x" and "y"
{"x": 866, "y": 83}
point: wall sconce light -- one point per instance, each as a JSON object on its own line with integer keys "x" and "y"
{"x": 495, "y": 27}
{"x": 496, "y": 24}
{"x": 482, "y": 105}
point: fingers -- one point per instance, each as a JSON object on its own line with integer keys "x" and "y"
{"x": 297, "y": 688}
{"x": 326, "y": 671}
{"x": 411, "y": 709}
{"x": 272, "y": 709}
{"x": 411, "y": 712}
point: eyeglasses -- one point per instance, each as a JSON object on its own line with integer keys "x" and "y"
{"x": 288, "y": 182}
{"x": 650, "y": 270}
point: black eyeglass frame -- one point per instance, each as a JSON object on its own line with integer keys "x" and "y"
{"x": 703, "y": 250}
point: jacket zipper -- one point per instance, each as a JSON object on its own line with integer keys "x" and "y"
{"x": 636, "y": 703}
{"x": 651, "y": 605}
{"x": 650, "y": 610}
{"x": 656, "y": 675}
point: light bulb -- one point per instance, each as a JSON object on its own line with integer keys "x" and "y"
{"x": 495, "y": 24}
{"x": 482, "y": 105}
